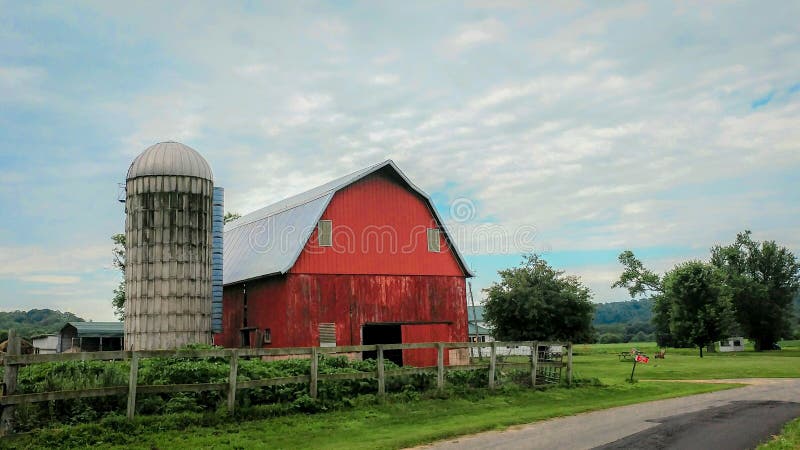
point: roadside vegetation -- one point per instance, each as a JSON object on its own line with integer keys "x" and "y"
{"x": 401, "y": 420}
{"x": 351, "y": 415}
{"x": 789, "y": 439}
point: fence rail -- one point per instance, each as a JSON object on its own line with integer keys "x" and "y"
{"x": 539, "y": 364}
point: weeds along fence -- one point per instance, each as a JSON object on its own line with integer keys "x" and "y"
{"x": 543, "y": 366}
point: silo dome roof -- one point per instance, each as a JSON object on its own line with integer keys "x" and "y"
{"x": 170, "y": 158}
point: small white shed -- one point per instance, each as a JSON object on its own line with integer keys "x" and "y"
{"x": 734, "y": 344}
{"x": 45, "y": 343}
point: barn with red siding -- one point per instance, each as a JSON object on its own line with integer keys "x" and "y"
{"x": 364, "y": 259}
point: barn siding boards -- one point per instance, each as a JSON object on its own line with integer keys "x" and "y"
{"x": 415, "y": 333}
{"x": 292, "y": 307}
{"x": 379, "y": 227}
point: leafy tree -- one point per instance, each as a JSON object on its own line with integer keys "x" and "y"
{"x": 700, "y": 310}
{"x": 118, "y": 301}
{"x": 764, "y": 279}
{"x": 230, "y": 216}
{"x": 536, "y": 302}
{"x": 639, "y": 280}
{"x": 636, "y": 278}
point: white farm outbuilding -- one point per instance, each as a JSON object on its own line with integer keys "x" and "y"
{"x": 45, "y": 343}
{"x": 734, "y": 344}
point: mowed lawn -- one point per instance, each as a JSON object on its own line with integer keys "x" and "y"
{"x": 601, "y": 361}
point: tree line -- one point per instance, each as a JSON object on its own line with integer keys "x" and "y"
{"x": 746, "y": 288}
{"x": 34, "y": 322}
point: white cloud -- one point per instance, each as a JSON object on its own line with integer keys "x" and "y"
{"x": 22, "y": 84}
{"x": 250, "y": 70}
{"x": 384, "y": 79}
{"x": 36, "y": 262}
{"x": 499, "y": 119}
{"x": 51, "y": 279}
{"x": 604, "y": 126}
{"x": 307, "y": 103}
{"x": 476, "y": 33}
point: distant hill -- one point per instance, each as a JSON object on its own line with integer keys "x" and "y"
{"x": 623, "y": 312}
{"x": 33, "y": 322}
{"x": 624, "y": 321}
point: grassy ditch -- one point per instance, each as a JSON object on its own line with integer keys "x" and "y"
{"x": 789, "y": 439}
{"x": 398, "y": 422}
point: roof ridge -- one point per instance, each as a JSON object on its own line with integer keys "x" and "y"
{"x": 334, "y": 187}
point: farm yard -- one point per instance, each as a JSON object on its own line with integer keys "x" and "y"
{"x": 413, "y": 412}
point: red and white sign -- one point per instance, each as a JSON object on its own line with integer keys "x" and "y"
{"x": 642, "y": 359}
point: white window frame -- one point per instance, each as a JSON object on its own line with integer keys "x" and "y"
{"x": 434, "y": 238}
{"x": 320, "y": 241}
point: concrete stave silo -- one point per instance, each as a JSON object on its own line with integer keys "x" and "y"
{"x": 168, "y": 227}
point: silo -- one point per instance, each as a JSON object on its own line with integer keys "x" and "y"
{"x": 168, "y": 225}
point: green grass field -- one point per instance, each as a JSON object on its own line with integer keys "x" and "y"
{"x": 601, "y": 361}
{"x": 397, "y": 423}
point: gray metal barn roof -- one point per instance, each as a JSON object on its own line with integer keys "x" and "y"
{"x": 268, "y": 241}
{"x": 170, "y": 158}
{"x": 481, "y": 330}
{"x": 476, "y": 311}
{"x": 97, "y": 329}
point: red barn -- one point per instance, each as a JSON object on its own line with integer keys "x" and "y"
{"x": 364, "y": 259}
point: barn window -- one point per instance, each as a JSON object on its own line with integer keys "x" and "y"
{"x": 325, "y": 233}
{"x": 327, "y": 335}
{"x": 267, "y": 336}
{"x": 433, "y": 240}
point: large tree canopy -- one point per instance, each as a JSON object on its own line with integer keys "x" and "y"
{"x": 699, "y": 310}
{"x": 536, "y": 302}
{"x": 764, "y": 279}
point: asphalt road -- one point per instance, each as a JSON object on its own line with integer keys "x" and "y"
{"x": 732, "y": 419}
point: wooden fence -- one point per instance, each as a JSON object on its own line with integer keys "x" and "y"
{"x": 12, "y": 360}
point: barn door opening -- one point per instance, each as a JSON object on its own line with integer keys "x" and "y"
{"x": 379, "y": 333}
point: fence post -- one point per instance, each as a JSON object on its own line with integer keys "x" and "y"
{"x": 492, "y": 363}
{"x": 232, "y": 381}
{"x": 569, "y": 363}
{"x": 439, "y": 365}
{"x": 534, "y": 362}
{"x": 312, "y": 388}
{"x": 381, "y": 371}
{"x": 132, "y": 381}
{"x": 9, "y": 383}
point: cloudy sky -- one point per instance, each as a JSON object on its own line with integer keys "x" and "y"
{"x": 572, "y": 129}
